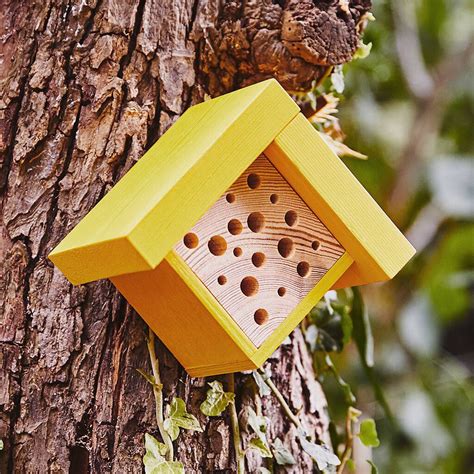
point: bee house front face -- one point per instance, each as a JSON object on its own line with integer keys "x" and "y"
{"x": 259, "y": 250}
{"x": 231, "y": 228}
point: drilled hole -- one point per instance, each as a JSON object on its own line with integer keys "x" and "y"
{"x": 217, "y": 245}
{"x": 291, "y": 218}
{"x": 253, "y": 180}
{"x": 286, "y": 247}
{"x": 238, "y": 251}
{"x": 303, "y": 269}
{"x": 261, "y": 316}
{"x": 222, "y": 280}
{"x": 256, "y": 222}
{"x": 315, "y": 245}
{"x": 235, "y": 226}
{"x": 230, "y": 198}
{"x": 249, "y": 286}
{"x": 258, "y": 259}
{"x": 274, "y": 198}
{"x": 191, "y": 240}
{"x": 281, "y": 291}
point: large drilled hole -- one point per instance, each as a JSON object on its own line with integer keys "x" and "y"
{"x": 256, "y": 222}
{"x": 281, "y": 291}
{"x": 222, "y": 280}
{"x": 258, "y": 259}
{"x": 191, "y": 240}
{"x": 286, "y": 247}
{"x": 291, "y": 218}
{"x": 217, "y": 245}
{"x": 315, "y": 245}
{"x": 235, "y": 226}
{"x": 230, "y": 198}
{"x": 274, "y": 198}
{"x": 261, "y": 316}
{"x": 238, "y": 252}
{"x": 303, "y": 269}
{"x": 253, "y": 181}
{"x": 249, "y": 286}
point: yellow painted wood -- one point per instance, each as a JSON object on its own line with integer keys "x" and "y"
{"x": 327, "y": 186}
{"x": 174, "y": 183}
{"x": 197, "y": 338}
{"x": 303, "y": 308}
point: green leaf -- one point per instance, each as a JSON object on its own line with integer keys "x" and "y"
{"x": 362, "y": 331}
{"x": 263, "y": 388}
{"x": 216, "y": 399}
{"x": 374, "y": 469}
{"x": 368, "y": 433}
{"x": 350, "y": 465}
{"x": 362, "y": 51}
{"x": 323, "y": 456}
{"x": 154, "y": 460}
{"x": 180, "y": 418}
{"x": 282, "y": 455}
{"x": 261, "y": 447}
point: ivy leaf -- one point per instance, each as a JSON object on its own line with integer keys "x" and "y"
{"x": 216, "y": 399}
{"x": 154, "y": 460}
{"x": 362, "y": 51}
{"x": 261, "y": 447}
{"x": 282, "y": 455}
{"x": 150, "y": 379}
{"x": 259, "y": 426}
{"x": 323, "y": 456}
{"x": 362, "y": 331}
{"x": 263, "y": 388}
{"x": 373, "y": 469}
{"x": 180, "y": 418}
{"x": 368, "y": 433}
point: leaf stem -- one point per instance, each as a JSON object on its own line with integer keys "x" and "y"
{"x": 294, "y": 419}
{"x": 234, "y": 421}
{"x": 158, "y": 393}
{"x": 349, "y": 441}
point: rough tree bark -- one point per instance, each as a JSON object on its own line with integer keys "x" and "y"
{"x": 86, "y": 87}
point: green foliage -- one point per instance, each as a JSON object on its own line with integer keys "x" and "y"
{"x": 323, "y": 456}
{"x": 362, "y": 331}
{"x": 258, "y": 424}
{"x": 368, "y": 433}
{"x": 154, "y": 460}
{"x": 282, "y": 455}
{"x": 180, "y": 418}
{"x": 217, "y": 399}
{"x": 373, "y": 468}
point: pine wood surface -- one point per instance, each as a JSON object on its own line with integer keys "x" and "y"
{"x": 257, "y": 257}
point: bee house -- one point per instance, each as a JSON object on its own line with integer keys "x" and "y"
{"x": 231, "y": 228}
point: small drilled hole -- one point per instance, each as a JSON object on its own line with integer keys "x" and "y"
{"x": 253, "y": 180}
{"x": 230, "y": 198}
{"x": 191, "y": 240}
{"x": 261, "y": 316}
{"x": 256, "y": 222}
{"x": 303, "y": 269}
{"x": 286, "y": 247}
{"x": 274, "y": 198}
{"x": 238, "y": 251}
{"x": 235, "y": 226}
{"x": 249, "y": 286}
{"x": 315, "y": 245}
{"x": 258, "y": 259}
{"x": 281, "y": 291}
{"x": 291, "y": 218}
{"x": 217, "y": 245}
{"x": 222, "y": 280}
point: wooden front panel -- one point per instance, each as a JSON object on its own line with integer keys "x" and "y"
{"x": 259, "y": 250}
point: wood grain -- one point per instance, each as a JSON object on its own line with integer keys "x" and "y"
{"x": 262, "y": 249}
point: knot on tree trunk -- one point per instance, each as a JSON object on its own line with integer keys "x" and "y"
{"x": 294, "y": 41}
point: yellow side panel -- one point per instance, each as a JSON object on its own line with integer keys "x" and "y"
{"x": 175, "y": 182}
{"x": 305, "y": 306}
{"x": 323, "y": 181}
{"x": 181, "y": 321}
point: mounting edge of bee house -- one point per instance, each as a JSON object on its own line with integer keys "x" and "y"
{"x": 230, "y": 229}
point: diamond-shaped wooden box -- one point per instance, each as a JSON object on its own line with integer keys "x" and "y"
{"x": 230, "y": 228}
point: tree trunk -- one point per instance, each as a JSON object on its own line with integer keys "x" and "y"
{"x": 86, "y": 87}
